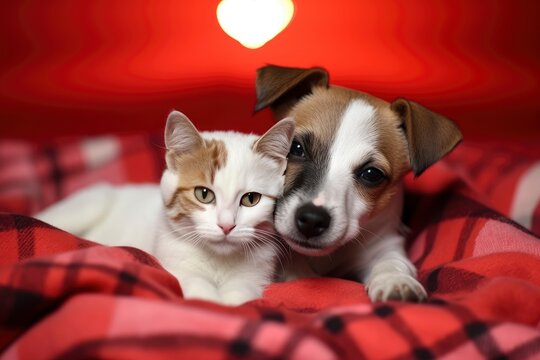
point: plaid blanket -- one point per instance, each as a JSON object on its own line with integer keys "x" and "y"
{"x": 474, "y": 219}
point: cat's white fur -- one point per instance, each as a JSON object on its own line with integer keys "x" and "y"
{"x": 228, "y": 268}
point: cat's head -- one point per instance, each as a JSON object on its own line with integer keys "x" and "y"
{"x": 220, "y": 188}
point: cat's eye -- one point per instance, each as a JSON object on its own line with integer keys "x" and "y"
{"x": 204, "y": 195}
{"x": 297, "y": 150}
{"x": 250, "y": 199}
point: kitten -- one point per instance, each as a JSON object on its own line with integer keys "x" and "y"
{"x": 209, "y": 222}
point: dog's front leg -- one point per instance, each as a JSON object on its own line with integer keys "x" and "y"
{"x": 389, "y": 274}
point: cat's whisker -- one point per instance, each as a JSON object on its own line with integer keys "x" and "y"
{"x": 275, "y": 238}
{"x": 243, "y": 246}
{"x": 261, "y": 231}
{"x": 278, "y": 248}
{"x": 181, "y": 232}
{"x": 269, "y": 238}
{"x": 250, "y": 251}
{"x": 279, "y": 251}
{"x": 177, "y": 233}
{"x": 193, "y": 237}
{"x": 269, "y": 233}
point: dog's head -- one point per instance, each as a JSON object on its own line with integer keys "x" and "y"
{"x": 348, "y": 156}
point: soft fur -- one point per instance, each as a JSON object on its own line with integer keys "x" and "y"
{"x": 222, "y": 250}
{"x": 353, "y": 227}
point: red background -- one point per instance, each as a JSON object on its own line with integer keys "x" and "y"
{"x": 87, "y": 67}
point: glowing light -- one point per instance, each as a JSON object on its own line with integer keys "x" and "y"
{"x": 254, "y": 22}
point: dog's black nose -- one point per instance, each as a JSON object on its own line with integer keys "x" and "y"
{"x": 312, "y": 220}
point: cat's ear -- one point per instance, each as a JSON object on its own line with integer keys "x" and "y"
{"x": 181, "y": 136}
{"x": 276, "y": 142}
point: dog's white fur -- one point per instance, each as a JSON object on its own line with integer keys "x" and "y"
{"x": 354, "y": 141}
{"x": 375, "y": 248}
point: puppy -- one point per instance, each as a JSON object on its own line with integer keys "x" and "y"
{"x": 343, "y": 191}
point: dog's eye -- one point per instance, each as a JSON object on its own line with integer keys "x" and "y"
{"x": 370, "y": 176}
{"x": 297, "y": 149}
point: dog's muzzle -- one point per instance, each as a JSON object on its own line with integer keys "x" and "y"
{"x": 312, "y": 220}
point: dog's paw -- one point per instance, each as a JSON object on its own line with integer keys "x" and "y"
{"x": 392, "y": 286}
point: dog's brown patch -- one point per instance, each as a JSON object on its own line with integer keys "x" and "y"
{"x": 197, "y": 168}
{"x": 391, "y": 145}
{"x": 320, "y": 114}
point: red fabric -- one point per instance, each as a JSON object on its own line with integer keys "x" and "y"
{"x": 65, "y": 297}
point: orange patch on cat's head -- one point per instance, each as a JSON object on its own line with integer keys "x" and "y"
{"x": 196, "y": 168}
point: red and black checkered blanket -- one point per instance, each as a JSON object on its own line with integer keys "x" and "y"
{"x": 474, "y": 219}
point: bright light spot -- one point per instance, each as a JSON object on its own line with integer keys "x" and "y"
{"x": 254, "y": 22}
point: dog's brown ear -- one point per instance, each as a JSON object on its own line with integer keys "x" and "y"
{"x": 281, "y": 87}
{"x": 430, "y": 136}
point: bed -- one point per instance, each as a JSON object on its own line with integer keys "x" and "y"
{"x": 65, "y": 297}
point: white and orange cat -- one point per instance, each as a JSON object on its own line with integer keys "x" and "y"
{"x": 209, "y": 222}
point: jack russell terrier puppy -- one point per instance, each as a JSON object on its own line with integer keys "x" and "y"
{"x": 343, "y": 185}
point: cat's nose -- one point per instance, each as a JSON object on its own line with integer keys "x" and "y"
{"x": 312, "y": 220}
{"x": 227, "y": 228}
